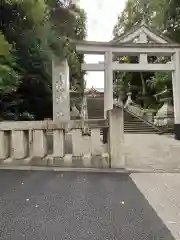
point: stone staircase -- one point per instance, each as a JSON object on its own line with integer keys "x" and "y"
{"x": 135, "y": 124}
{"x": 132, "y": 123}
{"x": 95, "y": 107}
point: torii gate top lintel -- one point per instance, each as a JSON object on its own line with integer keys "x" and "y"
{"x": 93, "y": 47}
{"x": 141, "y": 38}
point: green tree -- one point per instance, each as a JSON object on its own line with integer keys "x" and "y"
{"x": 163, "y": 15}
{"x": 37, "y": 30}
{"x": 8, "y": 76}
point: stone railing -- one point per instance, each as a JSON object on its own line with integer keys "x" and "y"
{"x": 27, "y": 142}
{"x": 146, "y": 114}
{"x": 21, "y": 140}
{"x": 136, "y": 110}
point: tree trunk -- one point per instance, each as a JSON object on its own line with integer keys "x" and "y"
{"x": 143, "y": 87}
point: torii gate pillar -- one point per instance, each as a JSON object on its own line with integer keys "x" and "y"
{"x": 176, "y": 93}
{"x": 108, "y": 83}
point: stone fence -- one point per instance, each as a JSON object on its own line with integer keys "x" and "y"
{"x": 26, "y": 142}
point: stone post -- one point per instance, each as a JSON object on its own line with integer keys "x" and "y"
{"x": 61, "y": 97}
{"x": 4, "y": 144}
{"x": 77, "y": 146}
{"x": 58, "y": 143}
{"x": 116, "y": 137}
{"x": 39, "y": 144}
{"x": 19, "y": 144}
{"x": 95, "y": 142}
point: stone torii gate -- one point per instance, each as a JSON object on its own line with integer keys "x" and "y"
{"x": 141, "y": 42}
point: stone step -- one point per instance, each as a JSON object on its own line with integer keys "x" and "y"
{"x": 137, "y": 127}
{"x": 131, "y": 123}
{"x": 136, "y": 123}
{"x": 140, "y": 132}
{"x": 140, "y": 129}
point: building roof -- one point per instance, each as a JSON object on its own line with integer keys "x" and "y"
{"x": 93, "y": 90}
{"x": 157, "y": 36}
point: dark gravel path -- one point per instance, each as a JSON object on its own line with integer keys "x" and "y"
{"x": 78, "y": 206}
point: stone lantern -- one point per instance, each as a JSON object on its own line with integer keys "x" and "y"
{"x": 165, "y": 115}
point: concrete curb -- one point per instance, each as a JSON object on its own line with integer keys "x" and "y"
{"x": 64, "y": 169}
{"x": 136, "y": 170}
{"x": 86, "y": 170}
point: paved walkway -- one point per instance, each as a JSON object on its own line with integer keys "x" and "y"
{"x": 83, "y": 206}
{"x": 163, "y": 193}
{"x": 152, "y": 151}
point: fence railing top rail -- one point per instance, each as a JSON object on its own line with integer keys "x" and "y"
{"x": 51, "y": 125}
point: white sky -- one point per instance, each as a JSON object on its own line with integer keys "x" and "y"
{"x": 101, "y": 18}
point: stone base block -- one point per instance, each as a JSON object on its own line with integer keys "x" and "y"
{"x": 105, "y": 160}
{"x": 8, "y": 161}
{"x": 20, "y": 162}
{"x": 87, "y": 160}
{"x": 58, "y": 162}
{"x": 120, "y": 163}
{"x": 68, "y": 160}
{"x": 36, "y": 161}
{"x": 49, "y": 159}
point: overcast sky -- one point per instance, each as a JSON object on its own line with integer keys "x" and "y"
{"x": 101, "y": 16}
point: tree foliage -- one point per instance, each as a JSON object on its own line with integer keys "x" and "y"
{"x": 163, "y": 15}
{"x": 31, "y": 33}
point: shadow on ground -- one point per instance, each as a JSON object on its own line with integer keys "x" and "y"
{"x": 77, "y": 206}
